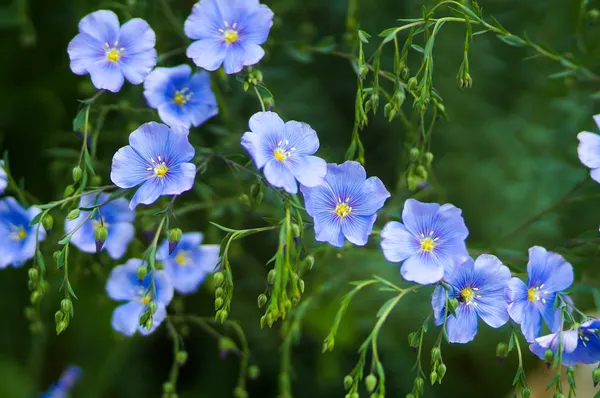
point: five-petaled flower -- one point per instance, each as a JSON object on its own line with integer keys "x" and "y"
{"x": 189, "y": 263}
{"x": 157, "y": 157}
{"x": 479, "y": 288}
{"x": 228, "y": 32}
{"x": 18, "y": 237}
{"x": 63, "y": 386}
{"x": 429, "y": 239}
{"x": 111, "y": 53}
{"x": 123, "y": 285}
{"x": 345, "y": 204}
{"x": 3, "y": 178}
{"x": 114, "y": 215}
{"x": 181, "y": 98}
{"x": 285, "y": 151}
{"x": 580, "y": 345}
{"x": 589, "y": 150}
{"x": 549, "y": 274}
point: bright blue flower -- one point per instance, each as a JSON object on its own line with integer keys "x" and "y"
{"x": 430, "y": 238}
{"x": 110, "y": 53}
{"x": 116, "y": 217}
{"x": 548, "y": 273}
{"x": 158, "y": 158}
{"x": 17, "y": 244}
{"x": 345, "y": 205}
{"x": 284, "y": 150}
{"x": 124, "y": 285}
{"x": 580, "y": 345}
{"x": 228, "y": 32}
{"x": 180, "y": 97}
{"x": 589, "y": 150}
{"x": 63, "y": 386}
{"x": 479, "y": 288}
{"x": 3, "y": 178}
{"x": 189, "y": 263}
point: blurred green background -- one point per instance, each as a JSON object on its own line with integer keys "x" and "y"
{"x": 507, "y": 152}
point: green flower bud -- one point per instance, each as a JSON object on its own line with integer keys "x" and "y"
{"x": 218, "y": 303}
{"x": 262, "y": 300}
{"x": 309, "y": 262}
{"x": 219, "y": 292}
{"x": 152, "y": 307}
{"x": 374, "y": 102}
{"x": 101, "y": 235}
{"x": 239, "y": 392}
{"x": 48, "y": 222}
{"x": 422, "y": 172}
{"x": 418, "y": 384}
{"x": 271, "y": 276}
{"x": 501, "y": 351}
{"x": 253, "y": 372}
{"x": 428, "y": 158}
{"x": 44, "y": 285}
{"x": 33, "y": 274}
{"x": 436, "y": 353}
{"x": 77, "y": 173}
{"x": 596, "y": 376}
{"x": 69, "y": 191}
{"x": 348, "y": 381}
{"x": 245, "y": 200}
{"x": 270, "y": 319}
{"x": 36, "y": 297}
{"x": 174, "y": 238}
{"x": 96, "y": 181}
{"x": 74, "y": 214}
{"x": 354, "y": 395}
{"x": 363, "y": 71}
{"x": 548, "y": 357}
{"x": 301, "y": 285}
{"x": 67, "y": 306}
{"x": 433, "y": 377}
{"x": 142, "y": 272}
{"x": 441, "y": 372}
{"x": 526, "y": 393}
{"x": 263, "y": 321}
{"x": 399, "y": 97}
{"x": 412, "y": 83}
{"x": 218, "y": 278}
{"x": 30, "y": 313}
{"x": 181, "y": 357}
{"x": 31, "y": 285}
{"x": 61, "y": 326}
{"x": 168, "y": 387}
{"x": 594, "y": 14}
{"x": 295, "y": 230}
{"x": 414, "y": 154}
{"x": 59, "y": 316}
{"x": 371, "y": 382}
{"x": 148, "y": 323}
{"x": 222, "y": 315}
{"x": 411, "y": 395}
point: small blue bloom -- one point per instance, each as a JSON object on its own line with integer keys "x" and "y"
{"x": 479, "y": 288}
{"x": 285, "y": 151}
{"x": 63, "y": 386}
{"x": 3, "y": 178}
{"x": 189, "y": 263}
{"x": 228, "y": 32}
{"x": 111, "y": 53}
{"x": 157, "y": 157}
{"x": 345, "y": 204}
{"x": 589, "y": 150}
{"x": 116, "y": 218}
{"x": 549, "y": 274}
{"x": 180, "y": 97}
{"x": 124, "y": 285}
{"x": 580, "y": 345}
{"x": 429, "y": 239}
{"x": 18, "y": 237}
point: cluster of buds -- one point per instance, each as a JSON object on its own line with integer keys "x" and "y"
{"x": 63, "y": 316}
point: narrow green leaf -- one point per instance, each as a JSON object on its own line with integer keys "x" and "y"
{"x": 326, "y": 45}
{"x": 264, "y": 92}
{"x": 511, "y": 40}
{"x": 70, "y": 289}
{"x": 222, "y": 228}
{"x": 36, "y": 220}
{"x": 88, "y": 161}
{"x": 363, "y": 36}
{"x": 79, "y": 119}
{"x": 517, "y": 376}
{"x": 417, "y": 48}
{"x": 40, "y": 260}
{"x": 386, "y": 306}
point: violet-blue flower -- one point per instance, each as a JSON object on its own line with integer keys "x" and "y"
{"x": 115, "y": 216}
{"x": 581, "y": 345}
{"x": 228, "y": 32}
{"x": 285, "y": 151}
{"x": 479, "y": 288}
{"x": 429, "y": 239}
{"x": 589, "y": 150}
{"x": 181, "y": 98}
{"x": 18, "y": 237}
{"x": 529, "y": 303}
{"x": 345, "y": 205}
{"x": 158, "y": 158}
{"x": 111, "y": 53}
{"x": 123, "y": 285}
{"x": 190, "y": 262}
{"x": 3, "y": 178}
{"x": 63, "y": 386}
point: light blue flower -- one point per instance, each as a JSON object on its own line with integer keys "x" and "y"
{"x": 228, "y": 32}
{"x": 180, "y": 97}
{"x": 529, "y": 303}
{"x": 430, "y": 238}
{"x": 18, "y": 237}
{"x": 581, "y": 345}
{"x": 63, "y": 386}
{"x": 111, "y": 53}
{"x": 479, "y": 288}
{"x": 116, "y": 217}
{"x": 124, "y": 285}
{"x": 157, "y": 157}
{"x": 3, "y": 178}
{"x": 345, "y": 205}
{"x": 190, "y": 262}
{"x": 285, "y": 151}
{"x": 589, "y": 150}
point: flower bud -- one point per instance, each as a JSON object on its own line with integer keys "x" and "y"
{"x": 435, "y": 354}
{"x": 501, "y": 352}
{"x": 218, "y": 278}
{"x": 218, "y": 303}
{"x": 219, "y": 292}
{"x": 152, "y": 307}
{"x": 96, "y": 180}
{"x": 101, "y": 235}
{"x": 271, "y": 276}
{"x": 67, "y": 306}
{"x": 263, "y": 321}
{"x": 240, "y": 392}
{"x": 168, "y": 387}
{"x": 596, "y": 376}
{"x": 309, "y": 262}
{"x": 428, "y": 158}
{"x": 348, "y": 381}
{"x": 61, "y": 326}
{"x": 412, "y": 83}
{"x": 411, "y": 395}
{"x": 433, "y": 377}
{"x": 148, "y": 323}
{"x": 77, "y": 173}
{"x": 33, "y": 274}
{"x": 174, "y": 238}
{"x": 262, "y": 300}
{"x": 222, "y": 315}
{"x": 374, "y": 102}
{"x": 548, "y": 357}
{"x": 36, "y": 297}
{"x": 422, "y": 172}
{"x": 59, "y": 316}
{"x": 142, "y": 272}
{"x": 370, "y": 382}
{"x": 69, "y": 191}
{"x": 30, "y": 313}
{"x": 295, "y": 230}
{"x": 526, "y": 393}
{"x": 363, "y": 71}
{"x": 441, "y": 372}
{"x": 399, "y": 97}
{"x": 253, "y": 372}
{"x": 48, "y": 222}
{"x": 414, "y": 154}
{"x": 301, "y": 285}
{"x": 245, "y": 200}
{"x": 74, "y": 214}
{"x": 418, "y": 384}
{"x": 181, "y": 357}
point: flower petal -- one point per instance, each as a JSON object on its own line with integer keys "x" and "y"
{"x": 147, "y": 193}
{"x": 531, "y": 324}
{"x": 136, "y": 67}
{"x": 128, "y": 168}
{"x": 257, "y": 26}
{"x": 463, "y": 327}
{"x": 204, "y": 22}
{"x": 164, "y": 288}
{"x": 119, "y": 237}
{"x": 549, "y": 314}
{"x": 308, "y": 170}
{"x": 207, "y": 53}
{"x": 241, "y": 54}
{"x": 358, "y": 228}
{"x": 106, "y": 75}
{"x": 136, "y": 36}
{"x": 126, "y": 317}
{"x": 397, "y": 243}
{"x": 268, "y": 124}
{"x": 548, "y": 269}
{"x": 438, "y": 303}
{"x": 422, "y": 269}
{"x": 319, "y": 200}
{"x": 589, "y": 149}
{"x": 301, "y": 137}
{"x": 492, "y": 308}
{"x": 372, "y": 198}
{"x": 328, "y": 229}
{"x": 123, "y": 280}
{"x": 84, "y": 52}
{"x": 278, "y": 175}
{"x": 153, "y": 139}
{"x": 258, "y": 148}
{"x": 102, "y": 25}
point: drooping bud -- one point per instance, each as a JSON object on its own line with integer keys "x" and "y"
{"x": 77, "y": 173}
{"x": 245, "y": 200}
{"x": 33, "y": 274}
{"x": 262, "y": 300}
{"x": 240, "y": 392}
{"x": 48, "y": 222}
{"x": 596, "y": 376}
{"x": 61, "y": 326}
{"x": 142, "y": 272}
{"x": 370, "y": 382}
{"x": 69, "y": 191}
{"x": 101, "y": 235}
{"x": 271, "y": 276}
{"x": 152, "y": 307}
{"x": 222, "y": 315}
{"x": 168, "y": 387}
{"x": 73, "y": 214}
{"x": 412, "y": 83}
{"x": 218, "y": 303}
{"x": 414, "y": 154}
{"x": 348, "y": 380}
{"x": 501, "y": 352}
{"x": 301, "y": 285}
{"x": 36, "y": 297}
{"x": 363, "y": 71}
{"x": 96, "y": 180}
{"x": 295, "y": 230}
{"x": 433, "y": 377}
{"x": 526, "y": 393}
{"x": 419, "y": 383}
{"x": 253, "y": 372}
{"x": 59, "y": 316}
{"x": 441, "y": 372}
{"x": 67, "y": 306}
{"x": 174, "y": 238}
{"x": 181, "y": 357}
{"x": 309, "y": 262}
{"x": 548, "y": 357}
{"x": 435, "y": 354}
{"x": 219, "y": 292}
{"x": 428, "y": 158}
{"x": 218, "y": 278}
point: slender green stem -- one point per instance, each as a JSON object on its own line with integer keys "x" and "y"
{"x": 262, "y": 104}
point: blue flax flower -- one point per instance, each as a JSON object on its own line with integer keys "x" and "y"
{"x": 529, "y": 303}
{"x": 111, "y": 53}
{"x": 479, "y": 288}
{"x": 285, "y": 151}
{"x": 17, "y": 244}
{"x": 228, "y": 32}
{"x": 116, "y": 218}
{"x": 3, "y": 178}
{"x": 181, "y": 98}
{"x": 124, "y": 285}
{"x": 189, "y": 263}
{"x": 589, "y": 150}
{"x": 429, "y": 239}
{"x": 345, "y": 205}
{"x": 157, "y": 157}
{"x": 580, "y": 345}
{"x": 64, "y": 385}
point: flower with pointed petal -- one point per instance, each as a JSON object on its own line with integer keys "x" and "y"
{"x": 345, "y": 205}
{"x": 110, "y": 53}
{"x": 479, "y": 288}
{"x": 123, "y": 285}
{"x": 429, "y": 239}
{"x": 18, "y": 237}
{"x": 285, "y": 151}
{"x": 158, "y": 158}
{"x": 580, "y": 345}
{"x": 228, "y": 32}
{"x": 529, "y": 303}
{"x": 589, "y": 150}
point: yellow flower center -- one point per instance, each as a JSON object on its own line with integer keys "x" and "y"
{"x": 532, "y": 294}
{"x": 230, "y": 36}
{"x": 160, "y": 170}
{"x": 182, "y": 258}
{"x": 427, "y": 244}
{"x": 182, "y": 96}
{"x": 279, "y": 154}
{"x": 18, "y": 233}
{"x": 113, "y": 55}
{"x": 146, "y": 299}
{"x": 342, "y": 209}
{"x": 467, "y": 295}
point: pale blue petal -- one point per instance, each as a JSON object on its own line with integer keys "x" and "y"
{"x": 162, "y": 83}
{"x": 531, "y": 324}
{"x": 463, "y": 327}
{"x": 300, "y": 136}
{"x": 595, "y": 174}
{"x": 85, "y": 237}
{"x": 123, "y": 282}
{"x": 358, "y": 228}
{"x": 136, "y": 67}
{"x": 550, "y": 315}
{"x": 515, "y": 291}
{"x": 146, "y": 194}
{"x": 438, "y": 304}
{"x": 267, "y": 124}
{"x": 153, "y": 139}
{"x": 119, "y": 237}
{"x": 84, "y": 52}
{"x": 259, "y": 149}
{"x": 106, "y": 75}
{"x": 346, "y": 180}
{"x": 257, "y": 25}
{"x": 492, "y": 308}
{"x": 319, "y": 200}
{"x": 422, "y": 269}
{"x": 328, "y": 229}
{"x": 490, "y": 274}
{"x": 240, "y": 54}
{"x": 207, "y": 53}
{"x": 129, "y": 169}
{"x": 308, "y": 170}
{"x": 548, "y": 269}
{"x": 278, "y": 175}
{"x": 136, "y": 37}
{"x": 372, "y": 198}
{"x": 589, "y": 149}
{"x": 102, "y": 25}
{"x": 204, "y": 22}
{"x": 117, "y": 211}
{"x": 397, "y": 243}
{"x": 126, "y": 317}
